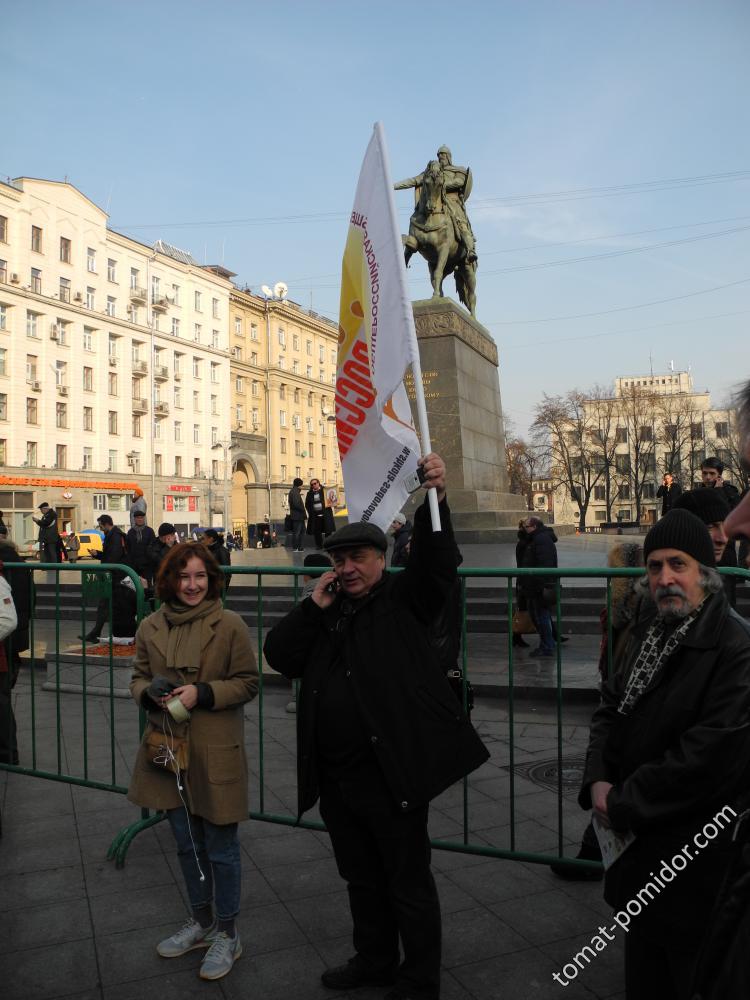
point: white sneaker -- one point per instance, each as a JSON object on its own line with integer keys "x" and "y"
{"x": 189, "y": 937}
{"x": 221, "y": 956}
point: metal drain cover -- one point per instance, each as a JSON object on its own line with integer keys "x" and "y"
{"x": 547, "y": 772}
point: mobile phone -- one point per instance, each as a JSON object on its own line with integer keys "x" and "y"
{"x": 332, "y": 587}
{"x": 414, "y": 481}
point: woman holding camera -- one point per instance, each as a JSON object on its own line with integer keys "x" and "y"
{"x": 194, "y": 671}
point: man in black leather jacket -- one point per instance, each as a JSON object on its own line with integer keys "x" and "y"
{"x": 380, "y": 733}
{"x": 669, "y": 758}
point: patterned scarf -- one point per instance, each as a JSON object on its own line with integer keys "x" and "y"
{"x": 652, "y": 656}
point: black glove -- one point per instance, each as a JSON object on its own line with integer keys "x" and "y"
{"x": 159, "y": 687}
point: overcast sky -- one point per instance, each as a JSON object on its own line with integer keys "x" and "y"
{"x": 608, "y": 141}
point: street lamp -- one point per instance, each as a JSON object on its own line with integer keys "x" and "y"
{"x": 226, "y": 447}
{"x": 278, "y": 293}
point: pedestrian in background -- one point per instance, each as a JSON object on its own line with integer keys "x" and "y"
{"x": 297, "y": 514}
{"x": 215, "y": 544}
{"x": 193, "y": 650}
{"x": 166, "y": 538}
{"x": 138, "y": 541}
{"x": 49, "y": 539}
{"x": 137, "y": 505}
{"x": 540, "y": 552}
{"x": 668, "y": 493}
{"x": 319, "y": 513}
{"x": 401, "y": 529}
{"x": 72, "y": 547}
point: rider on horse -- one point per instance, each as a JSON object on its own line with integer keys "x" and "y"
{"x": 457, "y": 186}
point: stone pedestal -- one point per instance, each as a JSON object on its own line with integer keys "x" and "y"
{"x": 464, "y": 410}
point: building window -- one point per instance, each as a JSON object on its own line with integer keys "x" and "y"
{"x": 36, "y": 239}
{"x": 600, "y": 515}
{"x": 214, "y": 435}
{"x": 112, "y": 422}
{"x": 3, "y": 272}
{"x": 214, "y": 373}
{"x": 297, "y": 448}
{"x": 157, "y": 464}
{"x": 196, "y": 367}
{"x": 36, "y": 280}
{"x": 197, "y": 302}
{"x": 253, "y": 331}
{"x": 215, "y": 339}
{"x": 282, "y": 446}
{"x": 111, "y": 305}
{"x": 178, "y": 465}
{"x": 88, "y": 379}
{"x": 282, "y": 336}
{"x": 649, "y": 491}
{"x": 623, "y": 492}
{"x": 215, "y": 468}
{"x": 296, "y": 396}
{"x": 32, "y": 410}
{"x": 646, "y": 434}
{"x": 31, "y": 452}
{"x": 3, "y": 361}
{"x": 196, "y": 468}
{"x": 254, "y": 388}
{"x": 253, "y": 357}
{"x": 61, "y": 373}
{"x": 622, "y": 464}
{"x": 238, "y": 326}
{"x": 64, "y": 293}
{"x": 64, "y": 250}
{"x": 175, "y": 327}
{"x": 282, "y": 418}
{"x": 90, "y": 297}
{"x": 91, "y": 260}
{"x": 175, "y": 295}
{"x": 197, "y": 333}
{"x": 215, "y": 308}
{"x": 3, "y": 317}
{"x": 61, "y": 456}
{"x": 177, "y": 363}
{"x": 111, "y": 269}
{"x": 196, "y": 433}
{"x": 621, "y": 435}
{"x": 88, "y": 338}
{"x": 112, "y": 346}
{"x": 112, "y": 460}
{"x": 3, "y": 406}
{"x": 88, "y": 418}
{"x": 112, "y": 383}
{"x": 600, "y": 493}
{"x": 295, "y": 367}
{"x": 696, "y": 432}
{"x": 136, "y": 426}
{"x": 722, "y": 429}
{"x": 3, "y": 229}
{"x": 61, "y": 415}
{"x": 214, "y": 406}
{"x": 178, "y": 397}
{"x": 283, "y": 473}
{"x": 239, "y": 385}
{"x": 178, "y": 431}
{"x": 88, "y": 459}
{"x": 134, "y": 276}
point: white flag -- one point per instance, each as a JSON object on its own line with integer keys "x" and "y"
{"x": 377, "y": 441}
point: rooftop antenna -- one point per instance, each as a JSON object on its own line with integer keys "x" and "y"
{"x": 671, "y": 366}
{"x": 651, "y": 363}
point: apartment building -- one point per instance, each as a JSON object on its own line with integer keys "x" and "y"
{"x": 624, "y": 443}
{"x": 114, "y": 366}
{"x": 283, "y": 377}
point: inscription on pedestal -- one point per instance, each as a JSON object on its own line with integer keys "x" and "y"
{"x": 427, "y": 379}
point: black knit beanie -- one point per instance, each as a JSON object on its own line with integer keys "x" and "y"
{"x": 710, "y": 505}
{"x": 681, "y": 530}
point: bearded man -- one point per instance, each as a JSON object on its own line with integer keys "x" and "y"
{"x": 669, "y": 759}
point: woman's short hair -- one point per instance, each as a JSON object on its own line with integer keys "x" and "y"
{"x": 168, "y": 575}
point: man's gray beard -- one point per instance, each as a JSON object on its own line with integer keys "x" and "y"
{"x": 674, "y": 615}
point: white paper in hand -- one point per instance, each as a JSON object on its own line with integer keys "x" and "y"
{"x": 612, "y": 844}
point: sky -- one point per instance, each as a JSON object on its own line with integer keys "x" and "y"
{"x": 608, "y": 142}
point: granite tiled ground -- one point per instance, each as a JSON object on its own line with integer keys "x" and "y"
{"x": 74, "y": 926}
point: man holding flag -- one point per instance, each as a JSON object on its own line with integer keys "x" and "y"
{"x": 380, "y": 733}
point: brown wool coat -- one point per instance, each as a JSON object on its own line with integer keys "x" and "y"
{"x": 216, "y": 782}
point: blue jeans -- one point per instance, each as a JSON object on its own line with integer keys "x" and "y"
{"x": 298, "y": 531}
{"x": 543, "y": 620}
{"x": 218, "y": 855}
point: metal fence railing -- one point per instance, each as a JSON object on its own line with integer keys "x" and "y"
{"x": 78, "y": 725}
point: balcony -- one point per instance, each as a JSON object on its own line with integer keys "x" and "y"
{"x": 138, "y": 295}
{"x": 177, "y": 376}
{"x": 159, "y": 303}
{"x": 161, "y": 373}
{"x": 140, "y": 405}
{"x": 161, "y": 409}
{"x": 140, "y": 366}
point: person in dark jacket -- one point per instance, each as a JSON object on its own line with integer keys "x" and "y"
{"x": 138, "y": 541}
{"x": 712, "y": 508}
{"x": 668, "y": 493}
{"x": 114, "y": 550}
{"x": 298, "y": 515}
{"x": 166, "y": 537}
{"x": 319, "y": 514}
{"x": 22, "y": 589}
{"x": 712, "y": 471}
{"x": 49, "y": 538}
{"x": 380, "y": 734}
{"x": 401, "y": 529}
{"x": 540, "y": 552}
{"x": 669, "y": 759}
{"x": 217, "y": 548}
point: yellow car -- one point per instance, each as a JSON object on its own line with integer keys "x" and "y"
{"x": 91, "y": 541}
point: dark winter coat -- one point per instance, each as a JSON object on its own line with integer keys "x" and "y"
{"x": 48, "y": 527}
{"x": 156, "y": 553}
{"x": 139, "y": 542}
{"x": 679, "y": 757}
{"x": 296, "y": 504}
{"x": 114, "y": 550}
{"x": 320, "y": 523}
{"x": 223, "y": 557}
{"x": 421, "y": 737}
{"x": 668, "y": 496}
{"x": 540, "y": 551}
{"x": 21, "y": 584}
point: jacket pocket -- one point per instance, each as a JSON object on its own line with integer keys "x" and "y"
{"x": 224, "y": 764}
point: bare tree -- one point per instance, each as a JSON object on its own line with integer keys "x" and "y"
{"x": 729, "y": 449}
{"x": 679, "y": 420}
{"x": 563, "y": 429}
{"x": 604, "y": 442}
{"x": 637, "y": 410}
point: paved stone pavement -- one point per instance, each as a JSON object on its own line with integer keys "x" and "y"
{"x": 75, "y": 926}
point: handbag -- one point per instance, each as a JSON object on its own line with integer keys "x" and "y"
{"x": 522, "y": 623}
{"x": 167, "y": 752}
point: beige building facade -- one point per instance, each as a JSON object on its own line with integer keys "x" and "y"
{"x": 283, "y": 376}
{"x": 114, "y": 367}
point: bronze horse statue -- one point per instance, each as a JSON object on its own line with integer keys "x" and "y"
{"x": 432, "y": 233}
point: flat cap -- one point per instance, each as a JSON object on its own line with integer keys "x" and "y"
{"x": 351, "y": 536}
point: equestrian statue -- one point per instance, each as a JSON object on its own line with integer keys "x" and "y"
{"x": 439, "y": 228}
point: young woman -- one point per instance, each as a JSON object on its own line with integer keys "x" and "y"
{"x": 194, "y": 653}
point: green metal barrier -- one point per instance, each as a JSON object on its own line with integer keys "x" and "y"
{"x": 49, "y": 762}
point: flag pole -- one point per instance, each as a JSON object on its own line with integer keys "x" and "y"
{"x": 424, "y": 430}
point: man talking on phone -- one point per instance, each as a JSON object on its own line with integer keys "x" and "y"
{"x": 380, "y": 734}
